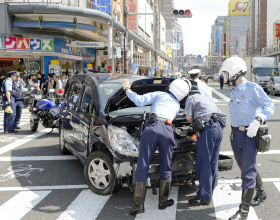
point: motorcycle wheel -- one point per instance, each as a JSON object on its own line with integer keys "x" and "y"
{"x": 33, "y": 125}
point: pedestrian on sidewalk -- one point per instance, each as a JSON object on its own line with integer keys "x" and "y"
{"x": 221, "y": 81}
{"x": 249, "y": 107}
{"x": 9, "y": 102}
{"x": 58, "y": 88}
{"x": 158, "y": 133}
{"x": 18, "y": 95}
{"x": 202, "y": 110}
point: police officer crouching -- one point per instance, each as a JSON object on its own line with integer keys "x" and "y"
{"x": 158, "y": 133}
{"x": 18, "y": 95}
{"x": 249, "y": 107}
{"x": 9, "y": 102}
{"x": 209, "y": 122}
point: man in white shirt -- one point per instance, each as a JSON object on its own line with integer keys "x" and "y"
{"x": 58, "y": 87}
{"x": 203, "y": 87}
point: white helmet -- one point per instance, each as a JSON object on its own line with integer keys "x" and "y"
{"x": 235, "y": 67}
{"x": 180, "y": 88}
{"x": 194, "y": 72}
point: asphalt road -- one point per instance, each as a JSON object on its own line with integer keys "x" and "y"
{"x": 36, "y": 182}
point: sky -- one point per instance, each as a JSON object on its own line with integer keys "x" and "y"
{"x": 197, "y": 30}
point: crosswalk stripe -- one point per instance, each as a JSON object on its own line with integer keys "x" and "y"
{"x": 86, "y": 206}
{"x": 38, "y": 158}
{"x": 275, "y": 100}
{"x": 277, "y": 184}
{"x": 226, "y": 202}
{"x": 215, "y": 100}
{"x": 230, "y": 153}
{"x": 221, "y": 95}
{"x": 23, "y": 141}
{"x": 21, "y": 124}
{"x": 19, "y": 205}
{"x": 151, "y": 206}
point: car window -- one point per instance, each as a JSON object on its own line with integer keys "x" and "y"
{"x": 87, "y": 97}
{"x": 75, "y": 90}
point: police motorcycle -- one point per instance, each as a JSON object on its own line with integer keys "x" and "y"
{"x": 26, "y": 96}
{"x": 44, "y": 110}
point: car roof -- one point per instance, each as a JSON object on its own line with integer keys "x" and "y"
{"x": 101, "y": 78}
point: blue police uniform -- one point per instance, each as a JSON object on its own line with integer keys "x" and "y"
{"x": 208, "y": 143}
{"x": 204, "y": 89}
{"x": 247, "y": 101}
{"x": 156, "y": 134}
{"x": 18, "y": 95}
{"x": 8, "y": 117}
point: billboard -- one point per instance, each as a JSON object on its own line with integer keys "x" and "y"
{"x": 278, "y": 30}
{"x": 239, "y": 7}
{"x": 118, "y": 10}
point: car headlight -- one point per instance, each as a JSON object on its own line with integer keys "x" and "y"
{"x": 122, "y": 142}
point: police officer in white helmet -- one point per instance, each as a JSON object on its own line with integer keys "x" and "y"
{"x": 203, "y": 87}
{"x": 249, "y": 107}
{"x": 158, "y": 133}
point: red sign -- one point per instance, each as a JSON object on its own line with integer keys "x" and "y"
{"x": 23, "y": 44}
{"x": 277, "y": 30}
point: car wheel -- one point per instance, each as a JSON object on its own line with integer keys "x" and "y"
{"x": 225, "y": 163}
{"x": 100, "y": 173}
{"x": 33, "y": 124}
{"x": 62, "y": 148}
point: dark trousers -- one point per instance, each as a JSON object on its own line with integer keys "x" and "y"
{"x": 58, "y": 99}
{"x": 9, "y": 117}
{"x": 18, "y": 107}
{"x": 207, "y": 156}
{"x": 245, "y": 152}
{"x": 155, "y": 135}
{"x": 221, "y": 85}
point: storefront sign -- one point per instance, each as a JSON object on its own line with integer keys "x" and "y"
{"x": 140, "y": 49}
{"x": 88, "y": 58}
{"x": 278, "y": 30}
{"x": 86, "y": 44}
{"x": 33, "y": 44}
{"x": 152, "y": 72}
{"x": 239, "y": 7}
{"x": 134, "y": 69}
{"x": 119, "y": 52}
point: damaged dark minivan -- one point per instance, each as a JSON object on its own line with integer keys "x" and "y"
{"x": 102, "y": 128}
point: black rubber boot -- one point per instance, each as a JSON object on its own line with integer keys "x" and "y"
{"x": 164, "y": 190}
{"x": 243, "y": 211}
{"x": 139, "y": 198}
{"x": 261, "y": 194}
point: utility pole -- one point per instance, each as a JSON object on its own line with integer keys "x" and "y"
{"x": 125, "y": 54}
{"x": 253, "y": 10}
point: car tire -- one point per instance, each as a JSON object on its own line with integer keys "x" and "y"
{"x": 63, "y": 150}
{"x": 103, "y": 161}
{"x": 225, "y": 163}
{"x": 33, "y": 124}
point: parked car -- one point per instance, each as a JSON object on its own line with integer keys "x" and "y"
{"x": 102, "y": 128}
{"x": 273, "y": 85}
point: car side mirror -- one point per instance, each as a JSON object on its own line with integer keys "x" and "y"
{"x": 85, "y": 107}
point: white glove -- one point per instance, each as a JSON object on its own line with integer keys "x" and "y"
{"x": 9, "y": 110}
{"x": 253, "y": 128}
{"x": 125, "y": 84}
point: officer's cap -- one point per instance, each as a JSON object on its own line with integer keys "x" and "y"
{"x": 195, "y": 71}
{"x": 16, "y": 73}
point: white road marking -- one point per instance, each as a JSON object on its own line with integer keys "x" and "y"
{"x": 35, "y": 188}
{"x": 221, "y": 95}
{"x": 215, "y": 100}
{"x": 151, "y": 207}
{"x": 271, "y": 152}
{"x": 226, "y": 202}
{"x": 231, "y": 181}
{"x": 23, "y": 141}
{"x": 86, "y": 206}
{"x": 21, "y": 204}
{"x": 275, "y": 100}
{"x": 277, "y": 184}
{"x": 38, "y": 158}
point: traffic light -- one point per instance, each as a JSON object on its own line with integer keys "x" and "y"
{"x": 182, "y": 13}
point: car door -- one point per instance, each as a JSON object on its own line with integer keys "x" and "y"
{"x": 85, "y": 116}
